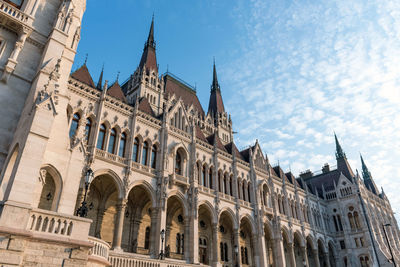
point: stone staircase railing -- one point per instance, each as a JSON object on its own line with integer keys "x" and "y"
{"x": 100, "y": 248}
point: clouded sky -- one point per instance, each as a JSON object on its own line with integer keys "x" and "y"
{"x": 291, "y": 72}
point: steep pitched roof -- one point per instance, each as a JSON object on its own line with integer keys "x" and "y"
{"x": 232, "y": 149}
{"x": 342, "y": 163}
{"x": 145, "y": 107}
{"x": 327, "y": 180}
{"x": 82, "y": 74}
{"x": 116, "y": 91}
{"x": 149, "y": 59}
{"x": 199, "y": 134}
{"x": 180, "y": 90}
{"x": 215, "y": 137}
{"x": 246, "y": 154}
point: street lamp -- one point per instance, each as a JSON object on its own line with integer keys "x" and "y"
{"x": 236, "y": 255}
{"x": 387, "y": 240}
{"x": 162, "y": 233}
{"x": 83, "y": 210}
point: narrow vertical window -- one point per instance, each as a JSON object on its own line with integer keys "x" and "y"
{"x": 226, "y": 252}
{"x": 122, "y": 143}
{"x": 248, "y": 191}
{"x": 178, "y": 243}
{"x": 145, "y": 151}
{"x": 135, "y": 150}
{"x": 147, "y": 238}
{"x": 178, "y": 163}
{"x": 210, "y": 177}
{"x": 221, "y": 248}
{"x": 111, "y": 142}
{"x": 101, "y": 137}
{"x": 203, "y": 176}
{"x": 153, "y": 156}
{"x": 88, "y": 128}
{"x": 74, "y": 125}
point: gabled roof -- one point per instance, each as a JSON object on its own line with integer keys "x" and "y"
{"x": 215, "y": 137}
{"x": 116, "y": 91}
{"x": 291, "y": 178}
{"x": 232, "y": 149}
{"x": 145, "y": 107}
{"x": 180, "y": 90}
{"x": 200, "y": 135}
{"x": 280, "y": 173}
{"x": 82, "y": 74}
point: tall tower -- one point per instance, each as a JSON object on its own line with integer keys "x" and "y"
{"x": 39, "y": 40}
{"x": 145, "y": 82}
{"x": 216, "y": 111}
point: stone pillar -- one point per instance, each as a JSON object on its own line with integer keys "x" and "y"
{"x": 215, "y": 245}
{"x": 135, "y": 234}
{"x": 291, "y": 255}
{"x": 99, "y": 221}
{"x": 121, "y": 206}
{"x": 279, "y": 255}
{"x": 153, "y": 233}
{"x": 316, "y": 258}
{"x": 187, "y": 240}
{"x": 305, "y": 258}
{"x": 326, "y": 258}
{"x": 193, "y": 243}
{"x": 160, "y": 225}
{"x": 262, "y": 249}
{"x": 256, "y": 247}
{"x": 236, "y": 243}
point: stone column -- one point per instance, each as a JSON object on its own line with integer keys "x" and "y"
{"x": 279, "y": 256}
{"x": 316, "y": 258}
{"x": 215, "y": 245}
{"x": 135, "y": 231}
{"x": 12, "y": 60}
{"x": 291, "y": 255}
{"x": 305, "y": 258}
{"x": 193, "y": 243}
{"x": 256, "y": 247}
{"x": 236, "y": 234}
{"x": 121, "y": 206}
{"x": 99, "y": 221}
{"x": 153, "y": 233}
{"x": 187, "y": 241}
{"x": 326, "y": 258}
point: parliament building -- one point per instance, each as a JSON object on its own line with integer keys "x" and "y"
{"x": 138, "y": 174}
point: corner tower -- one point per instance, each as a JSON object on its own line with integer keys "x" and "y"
{"x": 145, "y": 82}
{"x": 216, "y": 111}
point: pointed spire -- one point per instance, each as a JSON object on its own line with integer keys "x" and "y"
{"x": 215, "y": 85}
{"x": 365, "y": 172}
{"x": 150, "y": 38}
{"x": 86, "y": 58}
{"x": 100, "y": 82}
{"x": 339, "y": 151}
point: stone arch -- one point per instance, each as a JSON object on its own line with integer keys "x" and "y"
{"x": 312, "y": 253}
{"x": 115, "y": 177}
{"x": 226, "y": 227}
{"x": 231, "y": 215}
{"x": 298, "y": 248}
{"x": 332, "y": 253}
{"x": 321, "y": 252}
{"x": 299, "y": 237}
{"x": 211, "y": 209}
{"x": 207, "y": 242}
{"x": 176, "y": 235}
{"x": 181, "y": 197}
{"x": 8, "y": 172}
{"x": 286, "y": 242}
{"x": 250, "y": 221}
{"x": 52, "y": 188}
{"x": 247, "y": 243}
{"x": 147, "y": 186}
{"x": 139, "y": 223}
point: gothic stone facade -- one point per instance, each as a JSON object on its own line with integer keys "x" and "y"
{"x": 161, "y": 164}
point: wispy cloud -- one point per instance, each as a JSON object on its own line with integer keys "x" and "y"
{"x": 308, "y": 69}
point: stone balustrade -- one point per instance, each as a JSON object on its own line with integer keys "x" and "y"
{"x": 15, "y": 14}
{"x": 60, "y": 225}
{"x": 100, "y": 248}
{"x": 110, "y": 156}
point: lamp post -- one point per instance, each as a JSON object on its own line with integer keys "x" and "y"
{"x": 387, "y": 240}
{"x": 83, "y": 209}
{"x": 162, "y": 233}
{"x": 237, "y": 256}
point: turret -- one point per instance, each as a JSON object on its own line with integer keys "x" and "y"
{"x": 368, "y": 181}
{"x": 341, "y": 159}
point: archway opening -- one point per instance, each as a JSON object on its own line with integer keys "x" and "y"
{"x": 245, "y": 243}
{"x": 321, "y": 252}
{"x": 225, "y": 238}
{"x": 175, "y": 229}
{"x": 298, "y": 250}
{"x": 310, "y": 253}
{"x": 286, "y": 247}
{"x": 102, "y": 202}
{"x": 331, "y": 254}
{"x": 269, "y": 246}
{"x": 136, "y": 233}
{"x": 206, "y": 241}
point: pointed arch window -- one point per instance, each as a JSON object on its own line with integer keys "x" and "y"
{"x": 246, "y": 256}
{"x": 74, "y": 125}
{"x": 210, "y": 178}
{"x": 111, "y": 141}
{"x": 230, "y": 186}
{"x": 88, "y": 128}
{"x": 122, "y": 143}
{"x": 101, "y": 137}
{"x": 221, "y": 248}
{"x": 203, "y": 175}
{"x": 226, "y": 252}
{"x": 248, "y": 192}
{"x": 178, "y": 163}
{"x": 135, "y": 150}
{"x": 145, "y": 151}
{"x": 178, "y": 243}
{"x": 153, "y": 156}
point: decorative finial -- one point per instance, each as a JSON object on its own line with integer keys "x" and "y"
{"x": 86, "y": 58}
{"x": 118, "y": 76}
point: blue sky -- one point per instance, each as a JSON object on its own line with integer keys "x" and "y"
{"x": 291, "y": 72}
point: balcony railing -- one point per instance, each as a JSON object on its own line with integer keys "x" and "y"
{"x": 15, "y": 14}
{"x": 100, "y": 248}
{"x": 56, "y": 224}
{"x": 110, "y": 156}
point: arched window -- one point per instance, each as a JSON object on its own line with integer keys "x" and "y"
{"x": 135, "y": 150}
{"x": 225, "y": 185}
{"x": 74, "y": 125}
{"x": 210, "y": 178}
{"x": 246, "y": 256}
{"x": 147, "y": 238}
{"x": 88, "y": 128}
{"x": 356, "y": 220}
{"x": 111, "y": 141}
{"x": 178, "y": 163}
{"x": 178, "y": 243}
{"x": 122, "y": 142}
{"x": 203, "y": 176}
{"x": 153, "y": 156}
{"x": 101, "y": 137}
{"x": 145, "y": 151}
